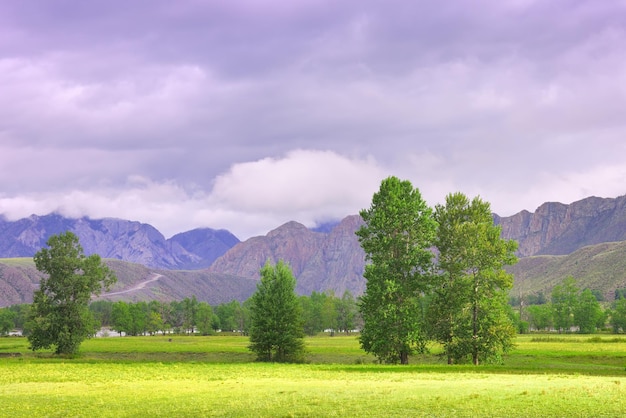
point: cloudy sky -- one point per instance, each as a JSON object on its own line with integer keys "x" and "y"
{"x": 246, "y": 114}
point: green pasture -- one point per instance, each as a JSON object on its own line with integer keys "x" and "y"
{"x": 216, "y": 376}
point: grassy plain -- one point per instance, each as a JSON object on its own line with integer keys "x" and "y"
{"x": 216, "y": 376}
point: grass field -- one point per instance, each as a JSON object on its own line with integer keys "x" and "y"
{"x": 215, "y": 376}
{"x": 19, "y": 261}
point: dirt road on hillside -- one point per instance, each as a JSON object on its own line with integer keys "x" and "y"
{"x": 138, "y": 286}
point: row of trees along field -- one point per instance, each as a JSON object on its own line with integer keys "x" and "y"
{"x": 320, "y": 311}
{"x": 570, "y": 309}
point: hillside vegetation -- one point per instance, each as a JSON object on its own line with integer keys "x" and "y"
{"x": 598, "y": 267}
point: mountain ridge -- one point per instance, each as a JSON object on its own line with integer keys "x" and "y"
{"x": 326, "y": 259}
{"x": 559, "y": 229}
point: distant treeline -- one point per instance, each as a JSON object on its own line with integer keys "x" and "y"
{"x": 320, "y": 312}
{"x": 567, "y": 309}
{"x": 570, "y": 309}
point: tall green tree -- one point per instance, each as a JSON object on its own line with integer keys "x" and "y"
{"x": 618, "y": 315}
{"x": 468, "y": 310}
{"x": 540, "y": 316}
{"x": 22, "y": 313}
{"x": 587, "y": 312}
{"x": 163, "y": 311}
{"x": 397, "y": 234}
{"x": 139, "y": 314}
{"x": 564, "y": 301}
{"x": 276, "y": 331}
{"x": 60, "y": 315}
{"x": 101, "y": 310}
{"x": 190, "y": 310}
{"x": 121, "y": 318}
{"x": 205, "y": 318}
{"x": 229, "y": 315}
{"x": 346, "y": 312}
{"x": 7, "y": 321}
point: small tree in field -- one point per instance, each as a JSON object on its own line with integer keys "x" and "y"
{"x": 60, "y": 315}
{"x": 564, "y": 302}
{"x": 7, "y": 321}
{"x": 276, "y": 332}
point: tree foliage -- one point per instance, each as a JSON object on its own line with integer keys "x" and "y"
{"x": 347, "y": 314}
{"x": 618, "y": 315}
{"x": 468, "y": 311}
{"x": 276, "y": 332}
{"x": 588, "y": 312}
{"x": 205, "y": 319}
{"x": 7, "y": 321}
{"x": 540, "y": 316}
{"x": 59, "y": 315}
{"x": 564, "y": 300}
{"x": 396, "y": 236}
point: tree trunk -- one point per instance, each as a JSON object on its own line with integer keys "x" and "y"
{"x": 475, "y": 335}
{"x": 404, "y": 357}
{"x": 475, "y": 330}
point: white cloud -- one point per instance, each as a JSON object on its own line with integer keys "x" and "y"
{"x": 301, "y": 180}
{"x": 250, "y": 199}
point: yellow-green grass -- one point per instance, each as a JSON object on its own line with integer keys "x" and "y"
{"x": 214, "y": 376}
{"x": 253, "y": 389}
{"x": 18, "y": 261}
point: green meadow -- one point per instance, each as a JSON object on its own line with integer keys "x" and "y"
{"x": 558, "y": 376}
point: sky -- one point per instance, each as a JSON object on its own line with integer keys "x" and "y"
{"x": 246, "y": 114}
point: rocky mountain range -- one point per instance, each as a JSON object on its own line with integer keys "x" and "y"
{"x": 118, "y": 239}
{"x": 329, "y": 258}
{"x": 559, "y": 229}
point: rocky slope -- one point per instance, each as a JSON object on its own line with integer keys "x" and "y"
{"x": 558, "y": 229}
{"x": 320, "y": 261}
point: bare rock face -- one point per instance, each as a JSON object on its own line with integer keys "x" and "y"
{"x": 319, "y": 261}
{"x": 559, "y": 229}
{"x": 17, "y": 284}
{"x": 124, "y": 240}
{"x": 339, "y": 263}
{"x": 292, "y": 242}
